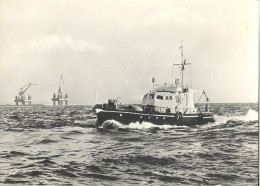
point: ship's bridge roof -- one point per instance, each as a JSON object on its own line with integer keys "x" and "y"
{"x": 170, "y": 88}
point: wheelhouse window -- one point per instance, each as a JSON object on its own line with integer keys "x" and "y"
{"x": 159, "y": 97}
{"x": 167, "y": 98}
{"x": 145, "y": 96}
{"x": 170, "y": 97}
{"x": 151, "y": 96}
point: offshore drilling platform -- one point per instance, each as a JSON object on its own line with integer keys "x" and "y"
{"x": 59, "y": 98}
{"x": 22, "y": 98}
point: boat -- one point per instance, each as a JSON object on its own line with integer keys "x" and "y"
{"x": 167, "y": 104}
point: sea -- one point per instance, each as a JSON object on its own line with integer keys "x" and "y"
{"x": 63, "y": 146}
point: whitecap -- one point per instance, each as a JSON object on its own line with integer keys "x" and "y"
{"x": 251, "y": 115}
{"x": 137, "y": 125}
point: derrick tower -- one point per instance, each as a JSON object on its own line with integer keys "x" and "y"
{"x": 60, "y": 98}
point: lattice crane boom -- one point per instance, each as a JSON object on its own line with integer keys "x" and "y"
{"x": 26, "y": 88}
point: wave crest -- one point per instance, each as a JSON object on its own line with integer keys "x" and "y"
{"x": 251, "y": 115}
{"x": 113, "y": 124}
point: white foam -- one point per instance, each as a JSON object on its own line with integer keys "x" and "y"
{"x": 148, "y": 125}
{"x": 78, "y": 122}
{"x": 251, "y": 115}
{"x": 114, "y": 122}
{"x": 142, "y": 126}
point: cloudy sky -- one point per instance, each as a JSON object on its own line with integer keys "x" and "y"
{"x": 117, "y": 46}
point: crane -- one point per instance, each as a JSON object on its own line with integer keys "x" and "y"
{"x": 21, "y": 93}
{"x": 21, "y": 98}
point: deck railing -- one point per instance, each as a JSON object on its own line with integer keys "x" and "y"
{"x": 202, "y": 109}
{"x": 205, "y": 109}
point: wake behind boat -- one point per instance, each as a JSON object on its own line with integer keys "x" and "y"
{"x": 171, "y": 104}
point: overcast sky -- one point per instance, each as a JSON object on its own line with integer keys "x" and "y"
{"x": 117, "y": 46}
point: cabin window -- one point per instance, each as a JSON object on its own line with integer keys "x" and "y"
{"x": 145, "y": 96}
{"x": 151, "y": 96}
{"x": 170, "y": 97}
{"x": 167, "y": 98}
{"x": 177, "y": 99}
{"x": 160, "y": 97}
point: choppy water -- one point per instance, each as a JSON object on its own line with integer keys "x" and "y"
{"x": 52, "y": 145}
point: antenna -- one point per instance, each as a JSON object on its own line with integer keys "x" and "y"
{"x": 182, "y": 64}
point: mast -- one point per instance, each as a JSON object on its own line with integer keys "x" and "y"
{"x": 61, "y": 82}
{"x": 182, "y": 65}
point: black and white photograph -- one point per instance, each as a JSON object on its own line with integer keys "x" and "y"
{"x": 129, "y": 92}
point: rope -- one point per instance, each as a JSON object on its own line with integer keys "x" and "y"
{"x": 200, "y": 98}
